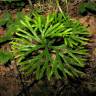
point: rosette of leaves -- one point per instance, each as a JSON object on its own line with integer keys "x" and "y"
{"x": 51, "y": 46}
{"x": 86, "y": 7}
{"x": 9, "y": 25}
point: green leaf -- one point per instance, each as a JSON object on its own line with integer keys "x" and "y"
{"x": 51, "y": 46}
{"x": 5, "y": 56}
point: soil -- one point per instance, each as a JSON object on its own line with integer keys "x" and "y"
{"x": 10, "y": 83}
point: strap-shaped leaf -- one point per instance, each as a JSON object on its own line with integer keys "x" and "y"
{"x": 52, "y": 46}
{"x": 75, "y": 58}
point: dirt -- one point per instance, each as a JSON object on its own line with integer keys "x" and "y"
{"x": 89, "y": 22}
{"x": 9, "y": 84}
{"x": 2, "y": 31}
